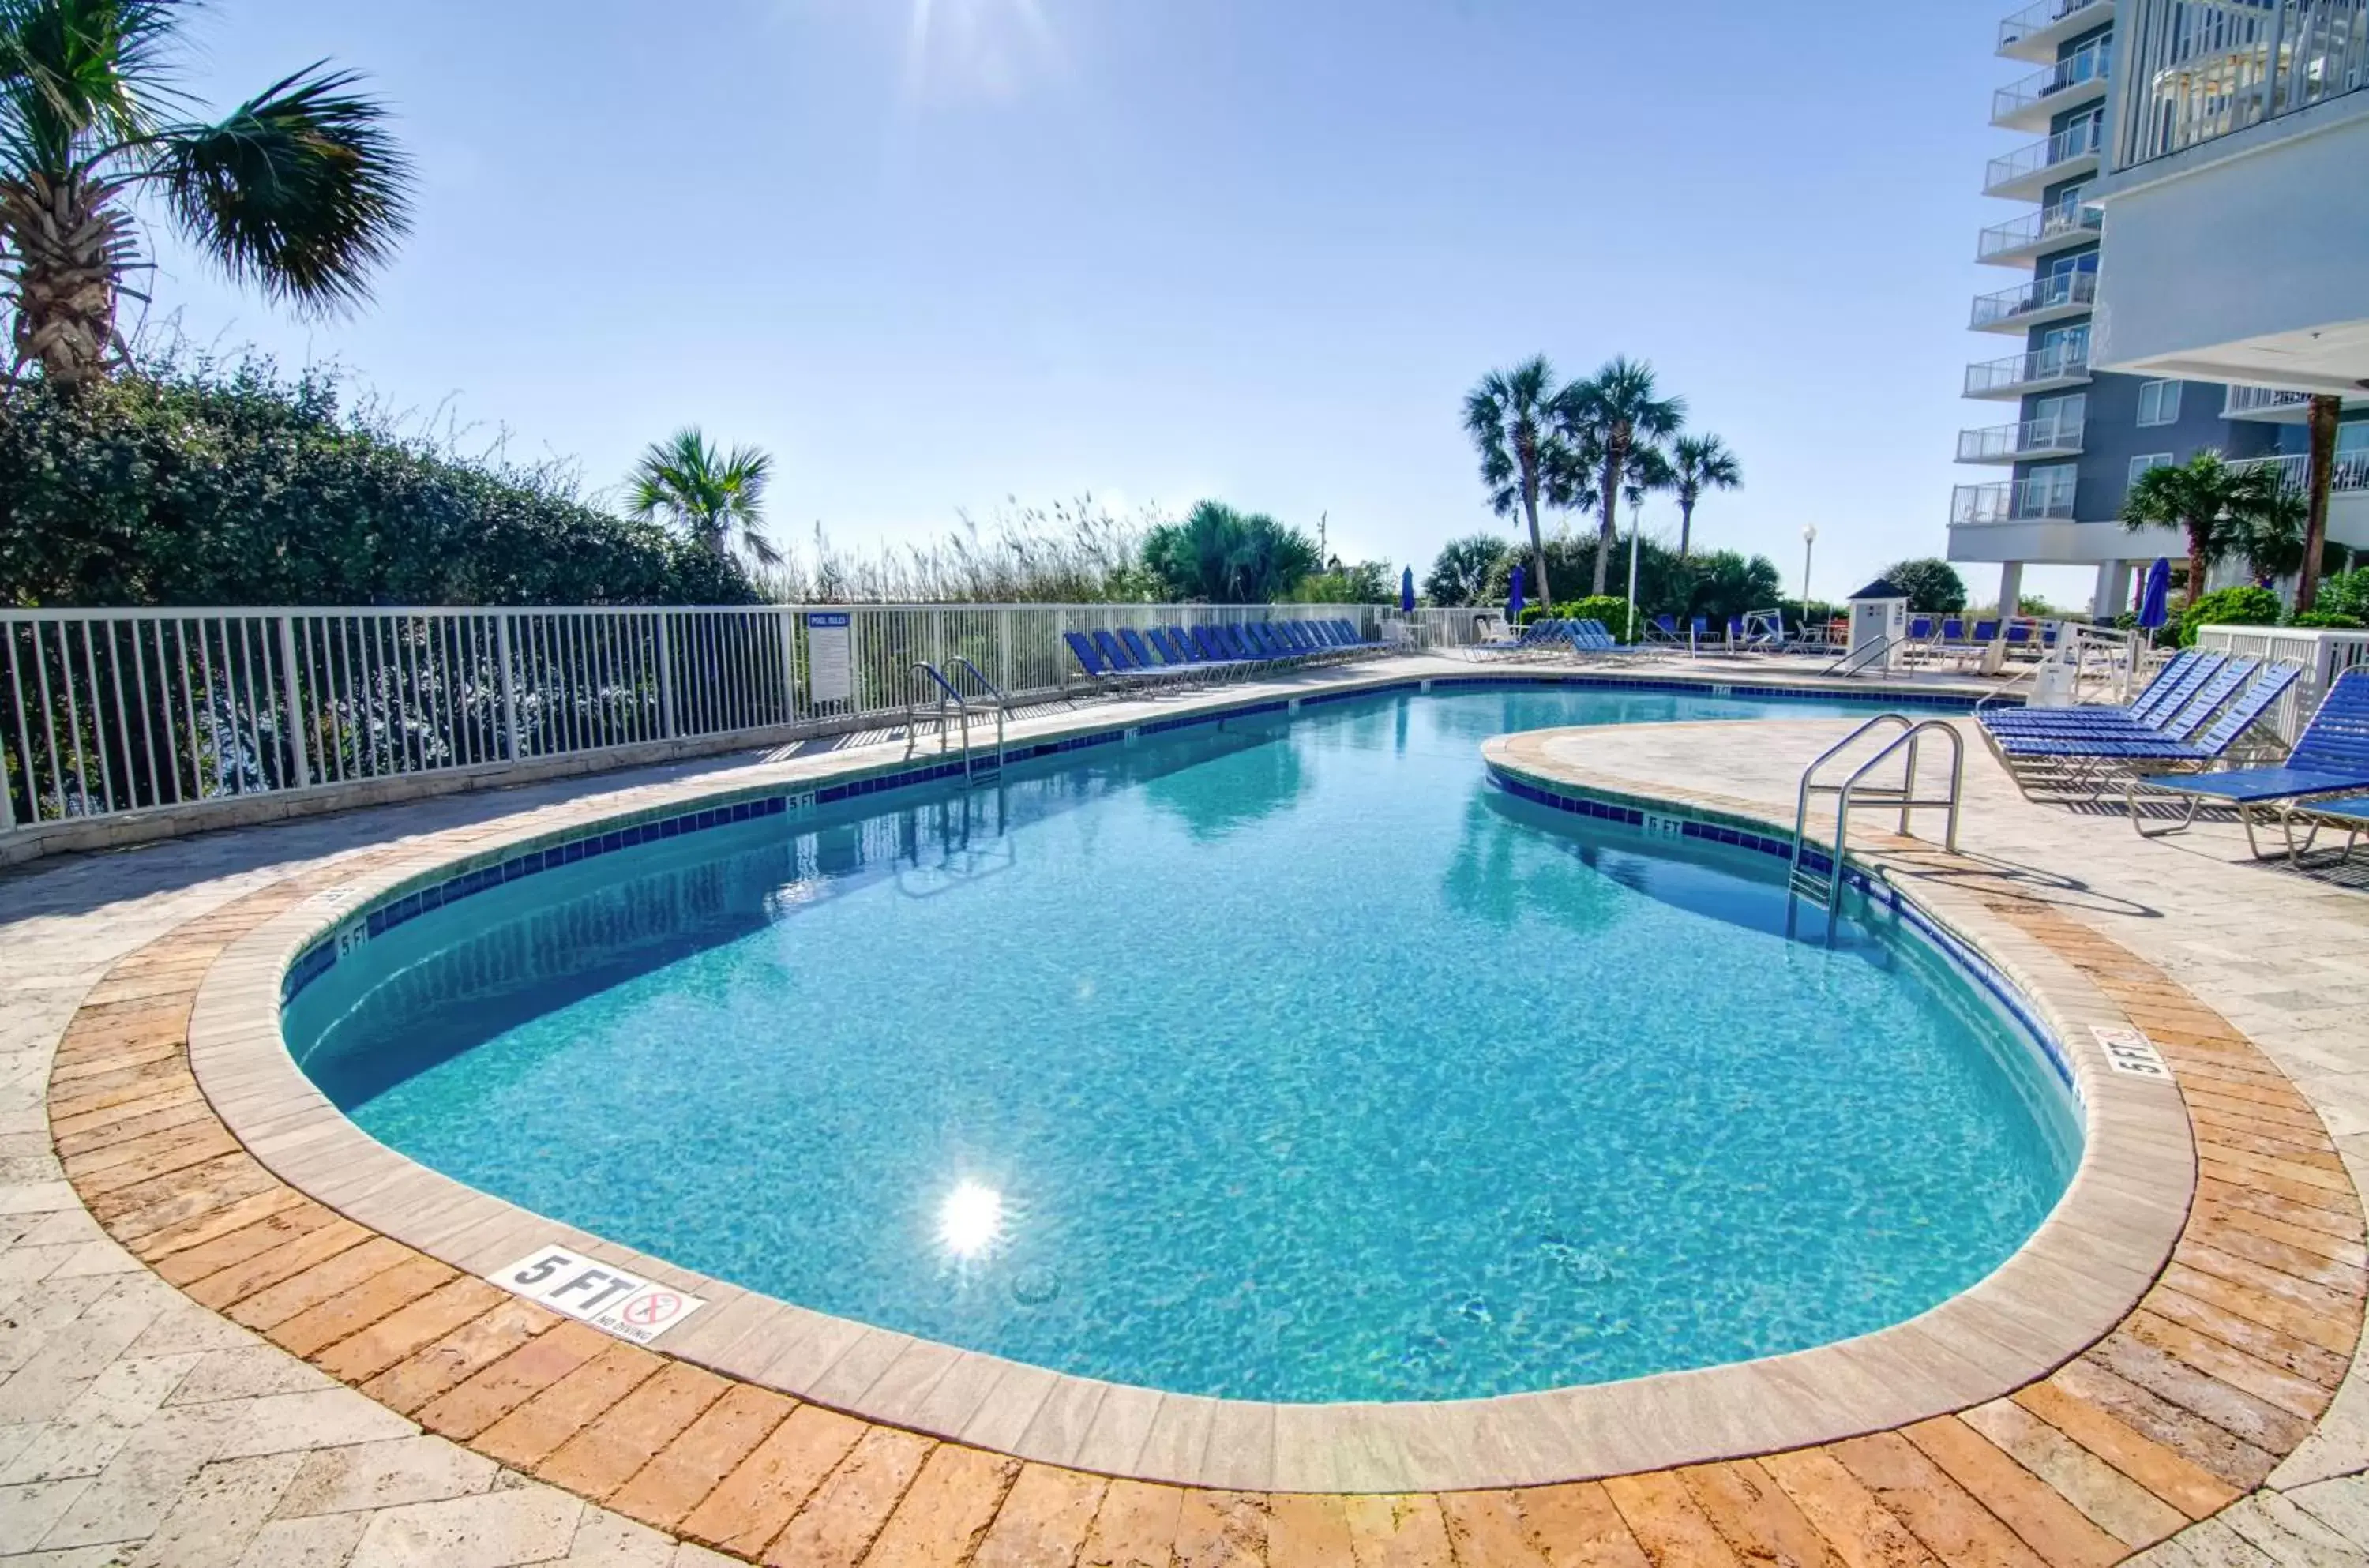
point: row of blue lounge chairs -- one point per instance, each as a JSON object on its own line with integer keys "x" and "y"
{"x": 1545, "y": 637}
{"x": 2194, "y": 715}
{"x": 2197, "y": 714}
{"x": 1134, "y": 659}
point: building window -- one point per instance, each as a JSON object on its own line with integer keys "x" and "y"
{"x": 2140, "y": 465}
{"x": 2159, "y": 404}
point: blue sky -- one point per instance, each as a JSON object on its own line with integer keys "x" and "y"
{"x": 936, "y": 253}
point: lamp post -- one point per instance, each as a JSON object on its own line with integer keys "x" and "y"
{"x": 1809, "y": 548}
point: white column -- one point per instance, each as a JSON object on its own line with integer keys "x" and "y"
{"x": 2113, "y": 594}
{"x": 2010, "y": 587}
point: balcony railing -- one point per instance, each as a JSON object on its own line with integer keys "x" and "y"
{"x": 2246, "y": 400}
{"x": 2003, "y": 444}
{"x": 2064, "y": 291}
{"x": 2058, "y": 361}
{"x": 2203, "y": 69}
{"x": 2351, "y": 471}
{"x": 2040, "y": 18}
{"x": 2083, "y": 139}
{"x": 2085, "y": 67}
{"x": 2011, "y": 501}
{"x": 2072, "y": 218}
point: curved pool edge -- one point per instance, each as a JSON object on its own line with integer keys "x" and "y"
{"x": 2072, "y": 1282}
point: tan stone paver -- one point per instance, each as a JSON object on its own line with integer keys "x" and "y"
{"x": 150, "y": 1429}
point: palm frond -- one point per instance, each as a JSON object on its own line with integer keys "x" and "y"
{"x": 79, "y": 76}
{"x": 300, "y": 192}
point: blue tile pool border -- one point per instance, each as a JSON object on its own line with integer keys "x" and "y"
{"x": 401, "y": 906}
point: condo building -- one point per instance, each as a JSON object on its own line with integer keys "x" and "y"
{"x": 2193, "y": 176}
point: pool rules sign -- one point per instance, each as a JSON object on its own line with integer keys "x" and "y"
{"x": 594, "y": 1292}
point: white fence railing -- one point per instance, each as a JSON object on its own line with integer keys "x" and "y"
{"x": 109, "y": 711}
{"x": 2086, "y": 68}
{"x": 2351, "y": 471}
{"x": 2323, "y": 656}
{"x": 2065, "y": 361}
{"x": 2060, "y": 290}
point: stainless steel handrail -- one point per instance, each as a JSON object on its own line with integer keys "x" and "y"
{"x": 1904, "y": 798}
{"x": 951, "y": 697}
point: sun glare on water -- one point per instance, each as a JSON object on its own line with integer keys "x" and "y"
{"x": 970, "y": 1220}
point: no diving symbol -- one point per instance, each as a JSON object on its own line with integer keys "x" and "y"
{"x": 648, "y": 1313}
{"x": 653, "y": 1310}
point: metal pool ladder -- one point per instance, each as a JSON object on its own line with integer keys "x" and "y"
{"x": 1805, "y": 882}
{"x": 980, "y": 764}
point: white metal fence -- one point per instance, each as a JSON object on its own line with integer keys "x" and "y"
{"x": 107, "y": 711}
{"x": 2323, "y": 656}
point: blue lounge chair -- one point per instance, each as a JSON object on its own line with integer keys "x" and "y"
{"x": 2331, "y": 757}
{"x": 2062, "y": 764}
{"x": 2210, "y": 680}
{"x": 1183, "y": 650}
{"x": 1114, "y": 654}
{"x": 1099, "y": 670}
{"x": 1237, "y": 643}
{"x": 1594, "y": 637}
{"x": 1151, "y": 659}
{"x": 2177, "y": 728}
{"x": 2173, "y": 684}
{"x": 1263, "y": 639}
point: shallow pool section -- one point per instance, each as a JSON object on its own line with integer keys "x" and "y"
{"x": 1284, "y": 1059}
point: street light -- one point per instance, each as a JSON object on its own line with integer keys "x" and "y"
{"x": 1809, "y": 547}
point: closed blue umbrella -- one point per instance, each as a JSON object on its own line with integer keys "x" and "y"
{"x": 1406, "y": 592}
{"x": 2154, "y": 604}
{"x": 1514, "y": 601}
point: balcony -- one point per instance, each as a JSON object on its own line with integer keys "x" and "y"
{"x": 2035, "y": 32}
{"x": 2209, "y": 70}
{"x": 2017, "y": 242}
{"x": 2036, "y": 302}
{"x": 2273, "y": 405}
{"x": 2033, "y": 438}
{"x": 2011, "y": 501}
{"x": 2294, "y": 470}
{"x": 2073, "y": 82}
{"x": 2026, "y": 174}
{"x": 2042, "y": 370}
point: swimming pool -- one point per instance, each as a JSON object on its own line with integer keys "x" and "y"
{"x": 1277, "y": 1060}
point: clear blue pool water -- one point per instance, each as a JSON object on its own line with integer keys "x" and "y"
{"x": 1288, "y": 1061}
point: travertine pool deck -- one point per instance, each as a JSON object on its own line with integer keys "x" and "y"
{"x": 2176, "y": 1411}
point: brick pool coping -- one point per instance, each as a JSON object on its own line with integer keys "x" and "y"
{"x": 2256, "y": 1313}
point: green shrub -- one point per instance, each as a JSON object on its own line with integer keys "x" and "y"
{"x": 2327, "y": 620}
{"x": 2346, "y": 593}
{"x": 2229, "y": 607}
{"x": 193, "y": 484}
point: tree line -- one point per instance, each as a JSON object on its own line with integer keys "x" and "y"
{"x": 1585, "y": 446}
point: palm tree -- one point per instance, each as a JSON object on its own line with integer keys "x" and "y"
{"x": 299, "y": 191}
{"x": 1700, "y": 463}
{"x": 2271, "y": 533}
{"x": 2207, "y": 501}
{"x": 1512, "y": 417}
{"x": 2321, "y": 418}
{"x": 1616, "y": 415}
{"x": 710, "y": 494}
{"x": 1219, "y": 556}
